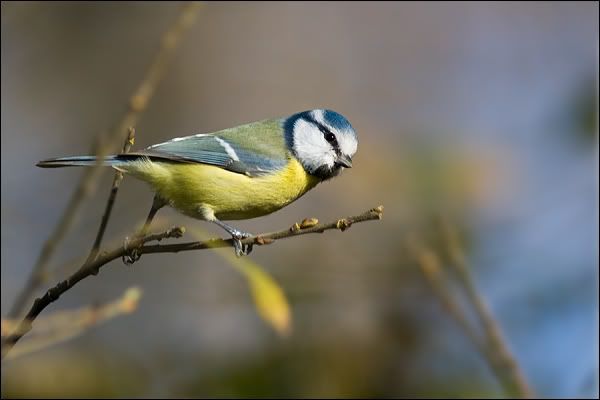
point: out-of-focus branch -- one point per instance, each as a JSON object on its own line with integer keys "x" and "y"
{"x": 498, "y": 352}
{"x": 491, "y": 345}
{"x": 431, "y": 267}
{"x": 63, "y": 325}
{"x": 111, "y": 198}
{"x": 309, "y": 225}
{"x": 169, "y": 42}
{"x": 137, "y": 104}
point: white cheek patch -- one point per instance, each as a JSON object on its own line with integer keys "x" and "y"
{"x": 310, "y": 146}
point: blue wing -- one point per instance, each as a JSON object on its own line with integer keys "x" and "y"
{"x": 254, "y": 149}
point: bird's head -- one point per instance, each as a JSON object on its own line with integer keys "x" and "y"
{"x": 322, "y": 140}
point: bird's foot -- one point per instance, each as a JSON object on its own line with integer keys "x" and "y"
{"x": 132, "y": 254}
{"x": 240, "y": 248}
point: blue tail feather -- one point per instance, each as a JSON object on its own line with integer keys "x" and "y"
{"x": 79, "y": 161}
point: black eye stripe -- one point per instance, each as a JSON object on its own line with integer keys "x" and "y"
{"x": 323, "y": 129}
{"x": 329, "y": 136}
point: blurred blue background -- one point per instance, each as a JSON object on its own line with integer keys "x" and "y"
{"x": 485, "y": 113}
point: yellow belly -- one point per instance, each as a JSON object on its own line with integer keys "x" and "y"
{"x": 198, "y": 190}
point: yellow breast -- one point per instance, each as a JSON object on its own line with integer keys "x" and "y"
{"x": 195, "y": 189}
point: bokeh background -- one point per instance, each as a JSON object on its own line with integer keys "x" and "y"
{"x": 484, "y": 114}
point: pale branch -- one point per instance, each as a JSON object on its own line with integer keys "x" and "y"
{"x": 431, "y": 267}
{"x": 490, "y": 343}
{"x": 497, "y": 349}
{"x": 136, "y": 105}
{"x": 169, "y": 42}
{"x": 138, "y": 243}
{"x": 60, "y": 326}
{"x": 129, "y": 140}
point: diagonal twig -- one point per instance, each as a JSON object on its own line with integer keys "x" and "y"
{"x": 501, "y": 358}
{"x": 64, "y": 325}
{"x": 431, "y": 267}
{"x": 490, "y": 343}
{"x": 111, "y": 198}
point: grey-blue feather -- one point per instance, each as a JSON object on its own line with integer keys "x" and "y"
{"x": 253, "y": 149}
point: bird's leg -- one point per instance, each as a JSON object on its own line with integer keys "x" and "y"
{"x": 133, "y": 254}
{"x": 157, "y": 204}
{"x": 237, "y": 235}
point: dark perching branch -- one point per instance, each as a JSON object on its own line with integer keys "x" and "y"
{"x": 92, "y": 267}
{"x": 305, "y": 227}
{"x": 136, "y": 106}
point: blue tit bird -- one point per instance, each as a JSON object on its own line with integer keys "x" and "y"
{"x": 238, "y": 173}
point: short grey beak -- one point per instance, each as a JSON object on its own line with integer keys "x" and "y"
{"x": 344, "y": 161}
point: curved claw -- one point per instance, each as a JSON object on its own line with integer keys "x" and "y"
{"x": 241, "y": 249}
{"x": 132, "y": 255}
{"x": 237, "y": 235}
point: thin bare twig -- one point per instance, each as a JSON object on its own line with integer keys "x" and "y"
{"x": 268, "y": 238}
{"x": 307, "y": 226}
{"x": 137, "y": 104}
{"x": 111, "y": 198}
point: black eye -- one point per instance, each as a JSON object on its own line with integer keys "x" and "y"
{"x": 330, "y": 137}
